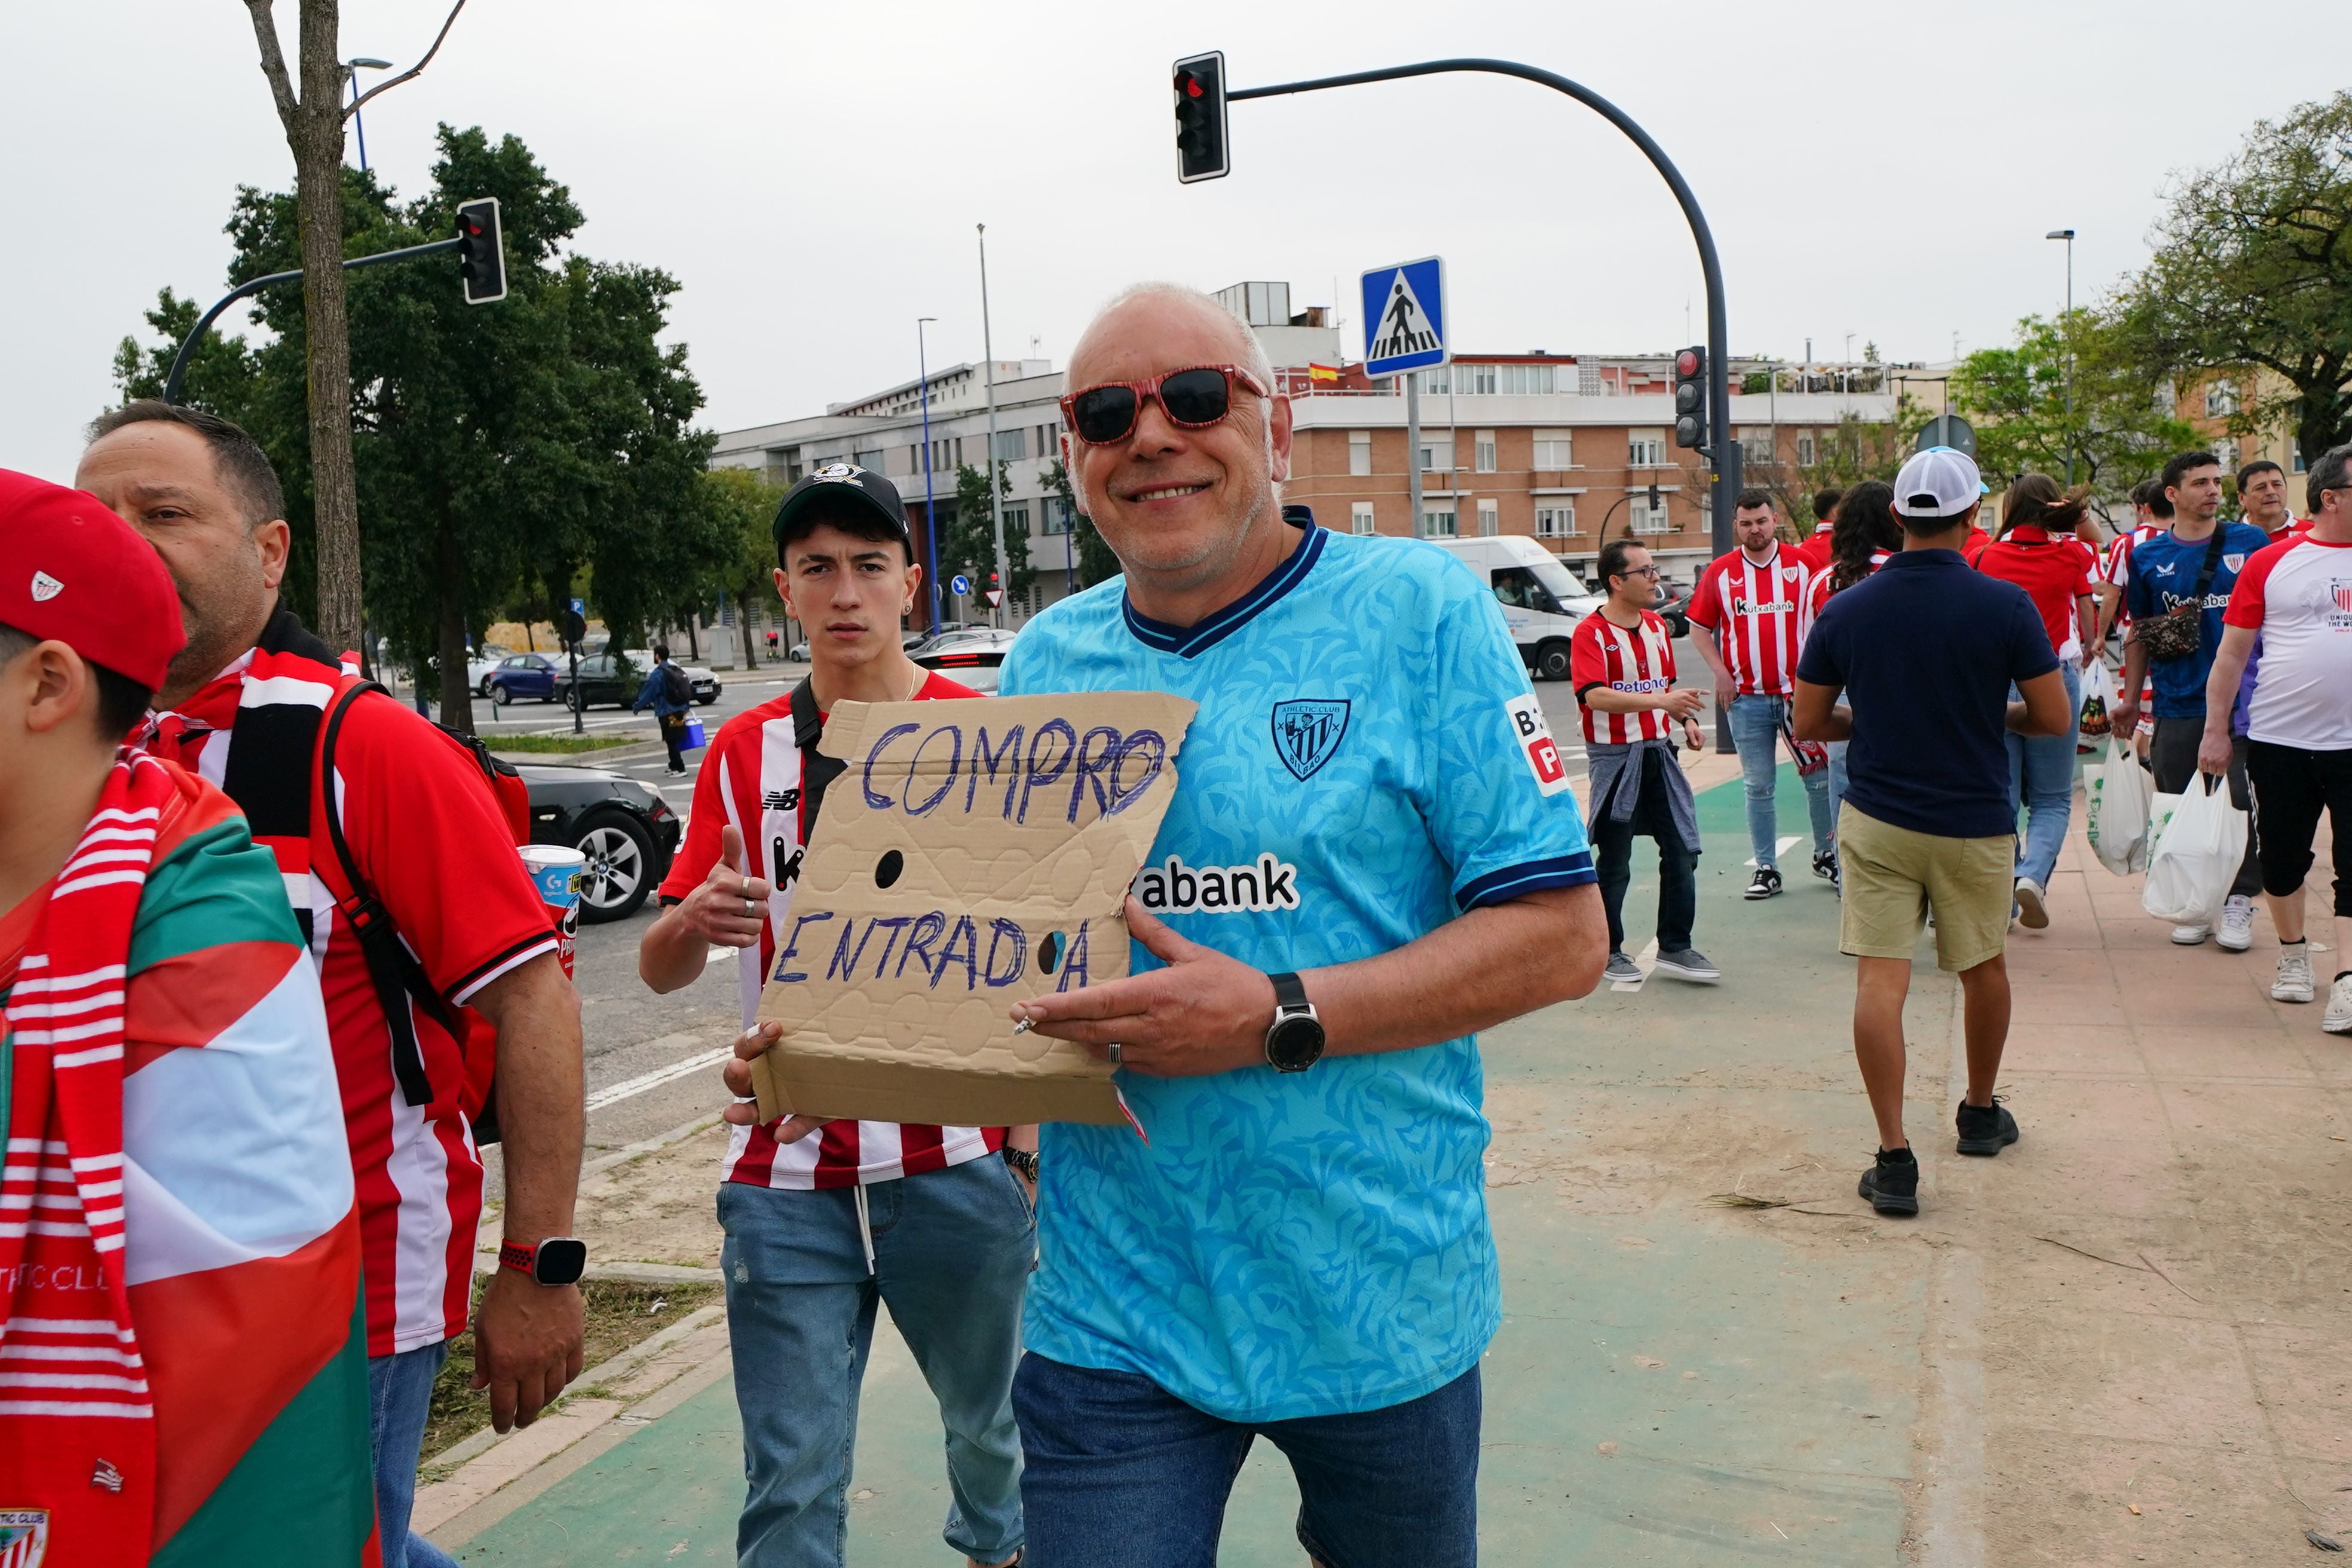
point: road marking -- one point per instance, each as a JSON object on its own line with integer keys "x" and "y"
{"x": 1779, "y": 849}
{"x": 614, "y": 1093}
{"x": 719, "y": 951}
{"x": 1646, "y": 958}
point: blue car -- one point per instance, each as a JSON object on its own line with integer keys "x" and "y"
{"x": 522, "y": 675}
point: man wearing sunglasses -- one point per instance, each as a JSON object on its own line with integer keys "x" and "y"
{"x": 1372, "y": 853}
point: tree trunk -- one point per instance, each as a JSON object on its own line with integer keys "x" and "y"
{"x": 457, "y": 698}
{"x": 743, "y": 625}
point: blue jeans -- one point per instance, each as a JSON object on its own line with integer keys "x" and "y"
{"x": 2042, "y": 776}
{"x": 1756, "y": 735}
{"x": 1123, "y": 1473}
{"x": 952, "y": 1251}
{"x": 400, "y": 1398}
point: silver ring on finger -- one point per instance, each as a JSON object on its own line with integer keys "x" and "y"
{"x": 751, "y": 909}
{"x": 1117, "y": 1053}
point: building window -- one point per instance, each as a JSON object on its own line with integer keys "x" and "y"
{"x": 1437, "y": 379}
{"x": 1490, "y": 519}
{"x": 1588, "y": 381}
{"x": 1524, "y": 380}
{"x": 1437, "y": 454}
{"x": 1646, "y": 520}
{"x": 2295, "y": 462}
{"x": 871, "y": 460}
{"x": 1474, "y": 380}
{"x": 1057, "y": 515}
{"x": 1756, "y": 447}
{"x": 2221, "y": 400}
{"x": 1483, "y": 451}
{"x": 1556, "y": 521}
{"x": 1359, "y": 451}
{"x": 1359, "y": 517}
{"x": 1806, "y": 454}
{"x": 1011, "y": 444}
{"x": 1645, "y": 449}
{"x": 1554, "y": 450}
{"x": 1437, "y": 522}
{"x": 1016, "y": 518}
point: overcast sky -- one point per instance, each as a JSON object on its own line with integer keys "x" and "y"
{"x": 811, "y": 175}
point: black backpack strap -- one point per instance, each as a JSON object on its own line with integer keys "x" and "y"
{"x": 2212, "y": 564}
{"x": 817, "y": 770}
{"x": 399, "y": 978}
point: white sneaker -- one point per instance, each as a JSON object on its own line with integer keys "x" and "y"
{"x": 2339, "y": 1007}
{"x": 2236, "y": 932}
{"x": 2294, "y": 982}
{"x": 2033, "y": 912}
{"x": 2189, "y": 936}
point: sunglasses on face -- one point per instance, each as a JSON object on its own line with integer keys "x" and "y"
{"x": 1194, "y": 398}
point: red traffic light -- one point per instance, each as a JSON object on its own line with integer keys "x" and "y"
{"x": 1188, "y": 84}
{"x": 1686, "y": 363}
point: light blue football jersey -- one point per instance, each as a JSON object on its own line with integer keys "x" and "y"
{"x": 1368, "y": 763}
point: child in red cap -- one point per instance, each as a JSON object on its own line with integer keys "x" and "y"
{"x": 179, "y": 1252}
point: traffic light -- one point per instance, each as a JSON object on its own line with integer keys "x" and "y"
{"x": 1690, "y": 397}
{"x": 1654, "y": 501}
{"x": 481, "y": 257}
{"x": 1201, "y": 118}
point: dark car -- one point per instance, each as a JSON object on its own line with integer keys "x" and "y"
{"x": 625, "y": 828}
{"x": 970, "y": 648}
{"x": 603, "y": 678}
{"x": 1673, "y": 607}
{"x": 520, "y": 676}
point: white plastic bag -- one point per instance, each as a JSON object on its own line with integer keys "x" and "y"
{"x": 2196, "y": 857}
{"x": 2091, "y": 721}
{"x": 2115, "y": 819}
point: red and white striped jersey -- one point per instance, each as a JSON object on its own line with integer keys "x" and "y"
{"x": 1817, "y": 593}
{"x": 751, "y": 781}
{"x": 1636, "y": 658}
{"x": 1753, "y": 612}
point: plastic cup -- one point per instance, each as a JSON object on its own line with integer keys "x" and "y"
{"x": 557, "y": 871}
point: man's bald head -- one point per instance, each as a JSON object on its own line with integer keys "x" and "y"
{"x": 1146, "y": 311}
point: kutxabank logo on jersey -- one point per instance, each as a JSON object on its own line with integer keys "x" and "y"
{"x": 1306, "y": 730}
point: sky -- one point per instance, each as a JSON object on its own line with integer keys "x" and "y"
{"x": 812, "y": 176}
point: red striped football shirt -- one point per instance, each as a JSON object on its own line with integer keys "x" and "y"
{"x": 1753, "y": 612}
{"x": 1638, "y": 660}
{"x": 751, "y": 781}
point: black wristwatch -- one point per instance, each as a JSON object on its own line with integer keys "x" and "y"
{"x": 556, "y": 1260}
{"x": 1024, "y": 1160}
{"x": 1294, "y": 1042}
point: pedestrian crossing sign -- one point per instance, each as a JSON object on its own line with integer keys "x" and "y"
{"x": 1405, "y": 317}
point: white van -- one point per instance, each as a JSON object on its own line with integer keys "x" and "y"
{"x": 1543, "y": 600}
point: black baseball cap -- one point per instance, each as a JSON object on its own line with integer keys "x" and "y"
{"x": 846, "y": 483}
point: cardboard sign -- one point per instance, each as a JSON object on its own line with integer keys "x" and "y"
{"x": 972, "y": 855}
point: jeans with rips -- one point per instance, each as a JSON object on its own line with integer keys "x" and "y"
{"x": 400, "y": 1399}
{"x": 1756, "y": 735}
{"x": 1121, "y": 1471}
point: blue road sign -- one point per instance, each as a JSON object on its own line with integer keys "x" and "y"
{"x": 960, "y": 584}
{"x": 1405, "y": 317}
{"x": 578, "y": 607}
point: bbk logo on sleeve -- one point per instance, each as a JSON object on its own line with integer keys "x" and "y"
{"x": 1532, "y": 734}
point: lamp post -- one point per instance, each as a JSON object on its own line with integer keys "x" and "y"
{"x": 998, "y": 611}
{"x": 2065, "y": 332}
{"x": 352, "y": 70}
{"x": 931, "y": 505}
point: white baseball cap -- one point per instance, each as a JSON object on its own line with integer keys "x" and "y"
{"x": 1941, "y": 481}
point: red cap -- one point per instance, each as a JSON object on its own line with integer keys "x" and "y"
{"x": 70, "y": 569}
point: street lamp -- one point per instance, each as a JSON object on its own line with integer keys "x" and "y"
{"x": 930, "y": 508}
{"x": 2068, "y": 236}
{"x": 352, "y": 70}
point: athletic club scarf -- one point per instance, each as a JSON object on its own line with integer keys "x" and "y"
{"x": 76, "y": 1424}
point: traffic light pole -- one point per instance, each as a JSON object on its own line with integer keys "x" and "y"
{"x": 188, "y": 347}
{"x": 1724, "y": 450}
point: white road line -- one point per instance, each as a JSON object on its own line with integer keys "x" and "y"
{"x": 719, "y": 951}
{"x": 1779, "y": 849}
{"x": 1646, "y": 958}
{"x": 614, "y": 1093}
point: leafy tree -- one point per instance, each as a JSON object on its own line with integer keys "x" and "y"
{"x": 1845, "y": 455}
{"x": 1096, "y": 563}
{"x": 745, "y": 502}
{"x": 968, "y": 543}
{"x": 2016, "y": 399}
{"x": 2253, "y": 269}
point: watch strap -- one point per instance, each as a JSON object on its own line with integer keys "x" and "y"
{"x": 523, "y": 1259}
{"x": 1289, "y": 993}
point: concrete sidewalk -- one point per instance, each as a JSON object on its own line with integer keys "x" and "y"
{"x": 2123, "y": 1340}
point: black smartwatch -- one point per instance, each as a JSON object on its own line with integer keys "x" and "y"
{"x": 1294, "y": 1042}
{"x": 556, "y": 1260}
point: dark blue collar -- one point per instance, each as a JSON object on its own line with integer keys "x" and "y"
{"x": 1920, "y": 560}
{"x": 1190, "y": 642}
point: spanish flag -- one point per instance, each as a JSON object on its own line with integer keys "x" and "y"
{"x": 1322, "y": 372}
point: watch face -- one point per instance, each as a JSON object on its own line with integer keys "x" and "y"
{"x": 1294, "y": 1043}
{"x": 562, "y": 1260}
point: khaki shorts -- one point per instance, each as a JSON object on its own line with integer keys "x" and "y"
{"x": 1891, "y": 875}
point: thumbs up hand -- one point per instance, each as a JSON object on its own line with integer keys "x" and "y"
{"x": 728, "y": 908}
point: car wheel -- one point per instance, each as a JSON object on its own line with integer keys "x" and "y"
{"x": 498, "y": 697}
{"x": 620, "y": 870}
{"x": 1551, "y": 662}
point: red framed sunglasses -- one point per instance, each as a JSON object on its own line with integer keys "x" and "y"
{"x": 1194, "y": 397}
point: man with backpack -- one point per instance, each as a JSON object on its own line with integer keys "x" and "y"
{"x": 670, "y": 695}
{"x": 401, "y": 868}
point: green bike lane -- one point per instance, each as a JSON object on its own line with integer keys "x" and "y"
{"x": 1673, "y": 1373}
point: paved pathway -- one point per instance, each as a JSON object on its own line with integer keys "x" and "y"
{"x": 2121, "y": 1342}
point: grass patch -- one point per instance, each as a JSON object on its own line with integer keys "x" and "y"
{"x": 560, "y": 743}
{"x": 620, "y": 1313}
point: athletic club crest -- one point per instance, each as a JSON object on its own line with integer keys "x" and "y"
{"x": 24, "y": 1537}
{"x": 1306, "y": 730}
{"x": 2341, "y": 591}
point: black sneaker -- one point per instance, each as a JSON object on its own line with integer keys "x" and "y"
{"x": 1825, "y": 865}
{"x": 1892, "y": 1184}
{"x": 1767, "y": 883}
{"x": 1985, "y": 1128}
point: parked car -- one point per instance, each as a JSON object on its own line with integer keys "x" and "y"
{"x": 1673, "y": 607}
{"x": 483, "y": 664}
{"x": 799, "y": 652}
{"x": 971, "y": 649}
{"x": 625, "y": 828}
{"x": 1543, "y": 600}
{"x": 604, "y": 679}
{"x": 522, "y": 675}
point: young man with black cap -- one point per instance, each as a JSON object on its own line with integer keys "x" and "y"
{"x": 1926, "y": 650}
{"x": 828, "y": 1220}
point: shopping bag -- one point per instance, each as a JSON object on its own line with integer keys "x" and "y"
{"x": 2196, "y": 857}
{"x": 2115, "y": 794}
{"x": 2098, "y": 696}
{"x": 694, "y": 738}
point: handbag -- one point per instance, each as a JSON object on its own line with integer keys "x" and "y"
{"x": 2180, "y": 631}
